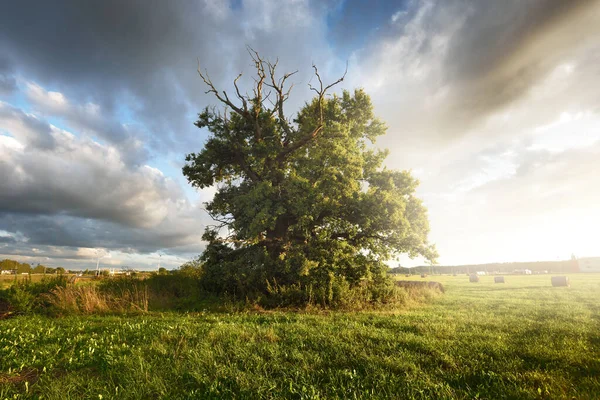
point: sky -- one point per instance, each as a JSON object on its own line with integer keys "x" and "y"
{"x": 493, "y": 105}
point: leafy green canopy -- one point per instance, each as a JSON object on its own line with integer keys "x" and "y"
{"x": 301, "y": 201}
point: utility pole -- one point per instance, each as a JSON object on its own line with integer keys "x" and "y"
{"x": 98, "y": 262}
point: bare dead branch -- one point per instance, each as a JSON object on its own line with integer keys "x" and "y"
{"x": 321, "y": 91}
{"x": 223, "y": 99}
{"x": 281, "y": 97}
{"x": 282, "y": 94}
{"x": 239, "y": 95}
{"x": 338, "y": 81}
{"x": 258, "y": 101}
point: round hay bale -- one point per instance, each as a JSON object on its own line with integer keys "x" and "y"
{"x": 560, "y": 281}
{"x": 498, "y": 279}
{"x": 423, "y": 275}
{"x": 473, "y": 278}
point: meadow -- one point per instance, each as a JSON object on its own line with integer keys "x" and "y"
{"x": 8, "y": 280}
{"x": 520, "y": 340}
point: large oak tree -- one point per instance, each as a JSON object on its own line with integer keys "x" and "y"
{"x": 304, "y": 201}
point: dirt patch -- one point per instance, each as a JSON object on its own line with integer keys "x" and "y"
{"x": 26, "y": 375}
{"x": 5, "y": 310}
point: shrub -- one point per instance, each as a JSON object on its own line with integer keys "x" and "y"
{"x": 337, "y": 292}
{"x": 25, "y": 296}
{"x": 19, "y": 299}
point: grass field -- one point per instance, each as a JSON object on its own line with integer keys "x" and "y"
{"x": 520, "y": 340}
{"x": 8, "y": 280}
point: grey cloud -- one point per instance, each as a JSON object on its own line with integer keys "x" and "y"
{"x": 446, "y": 68}
{"x": 134, "y": 60}
{"x": 495, "y": 32}
{"x": 7, "y": 239}
{"x": 80, "y": 194}
{"x": 8, "y": 83}
{"x": 28, "y": 129}
{"x": 91, "y": 120}
{"x": 64, "y": 232}
{"x": 141, "y": 55}
{"x": 504, "y": 48}
{"x": 79, "y": 177}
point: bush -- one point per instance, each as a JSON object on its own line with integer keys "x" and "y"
{"x": 24, "y": 296}
{"x": 336, "y": 292}
{"x": 19, "y": 299}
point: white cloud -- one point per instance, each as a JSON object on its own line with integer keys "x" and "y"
{"x": 501, "y": 121}
{"x": 88, "y": 181}
{"x": 88, "y": 120}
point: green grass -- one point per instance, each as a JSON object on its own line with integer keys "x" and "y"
{"x": 519, "y": 340}
{"x": 9, "y": 280}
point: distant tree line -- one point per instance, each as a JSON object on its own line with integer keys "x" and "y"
{"x": 504, "y": 268}
{"x": 25, "y": 268}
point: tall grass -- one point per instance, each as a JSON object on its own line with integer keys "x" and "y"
{"x": 89, "y": 299}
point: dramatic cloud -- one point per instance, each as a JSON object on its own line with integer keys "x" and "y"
{"x": 494, "y": 105}
{"x": 61, "y": 190}
{"x": 89, "y": 119}
{"x": 57, "y": 172}
{"x": 443, "y": 69}
{"x": 142, "y": 55}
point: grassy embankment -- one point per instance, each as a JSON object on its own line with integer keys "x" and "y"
{"x": 523, "y": 339}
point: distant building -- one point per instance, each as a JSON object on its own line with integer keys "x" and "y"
{"x": 8, "y": 272}
{"x": 590, "y": 264}
{"x": 523, "y": 271}
{"x": 114, "y": 271}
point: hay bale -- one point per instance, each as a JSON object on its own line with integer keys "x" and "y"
{"x": 560, "y": 281}
{"x": 473, "y": 278}
{"x": 423, "y": 275}
{"x": 498, "y": 279}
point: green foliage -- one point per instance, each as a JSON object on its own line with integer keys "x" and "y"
{"x": 19, "y": 299}
{"x": 39, "y": 269}
{"x": 11, "y": 265}
{"x": 304, "y": 203}
{"x": 25, "y": 296}
{"x": 192, "y": 269}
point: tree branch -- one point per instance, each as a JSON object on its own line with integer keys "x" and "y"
{"x": 321, "y": 91}
{"x": 281, "y": 98}
{"x": 222, "y": 98}
{"x": 260, "y": 70}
